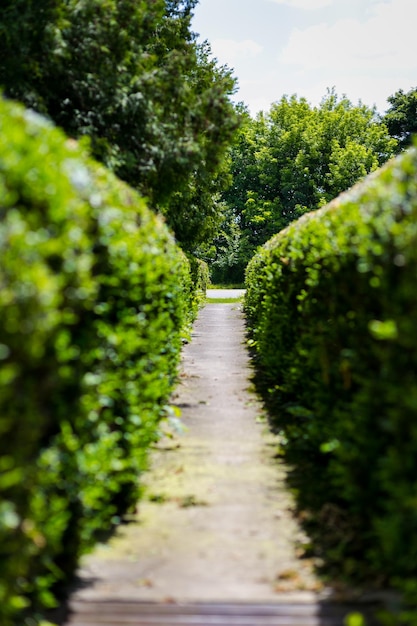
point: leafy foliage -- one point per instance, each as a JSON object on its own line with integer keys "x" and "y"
{"x": 331, "y": 303}
{"x": 94, "y": 303}
{"x": 27, "y": 33}
{"x": 401, "y": 117}
{"x": 129, "y": 75}
{"x": 293, "y": 159}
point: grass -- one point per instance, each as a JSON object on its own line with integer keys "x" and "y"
{"x": 223, "y": 300}
{"x": 231, "y": 286}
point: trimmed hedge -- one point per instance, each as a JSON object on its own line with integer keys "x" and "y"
{"x": 332, "y": 308}
{"x": 200, "y": 274}
{"x": 95, "y": 297}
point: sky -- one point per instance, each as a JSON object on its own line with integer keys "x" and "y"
{"x": 365, "y": 49}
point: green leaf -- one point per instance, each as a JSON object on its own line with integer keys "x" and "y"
{"x": 383, "y": 330}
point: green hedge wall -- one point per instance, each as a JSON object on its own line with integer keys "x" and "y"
{"x": 332, "y": 309}
{"x": 200, "y": 274}
{"x": 94, "y": 300}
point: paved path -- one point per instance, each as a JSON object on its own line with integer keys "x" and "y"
{"x": 219, "y": 527}
{"x": 225, "y": 293}
{"x": 214, "y": 541}
{"x": 216, "y": 528}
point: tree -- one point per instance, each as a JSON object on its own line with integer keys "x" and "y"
{"x": 129, "y": 75}
{"x": 296, "y": 158}
{"x": 401, "y": 117}
{"x": 26, "y": 33}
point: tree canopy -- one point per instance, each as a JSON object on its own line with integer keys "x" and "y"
{"x": 293, "y": 159}
{"x": 130, "y": 76}
{"x": 156, "y": 107}
{"x": 401, "y": 117}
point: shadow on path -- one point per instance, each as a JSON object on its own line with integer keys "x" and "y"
{"x": 215, "y": 541}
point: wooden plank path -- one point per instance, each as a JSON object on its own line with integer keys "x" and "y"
{"x": 216, "y": 547}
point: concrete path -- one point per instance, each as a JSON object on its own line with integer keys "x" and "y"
{"x": 225, "y": 293}
{"x": 216, "y": 524}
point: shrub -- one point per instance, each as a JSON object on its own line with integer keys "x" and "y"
{"x": 94, "y": 299}
{"x": 200, "y": 274}
{"x": 331, "y": 303}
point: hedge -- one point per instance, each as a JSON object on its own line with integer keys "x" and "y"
{"x": 332, "y": 309}
{"x": 95, "y": 298}
{"x": 200, "y": 274}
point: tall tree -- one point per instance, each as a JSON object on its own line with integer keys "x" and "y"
{"x": 130, "y": 76}
{"x": 294, "y": 159}
{"x": 401, "y": 117}
{"x": 26, "y": 35}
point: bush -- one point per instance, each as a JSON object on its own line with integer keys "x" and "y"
{"x": 332, "y": 303}
{"x": 94, "y": 299}
{"x": 200, "y": 274}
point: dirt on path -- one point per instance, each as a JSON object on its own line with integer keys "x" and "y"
{"x": 216, "y": 523}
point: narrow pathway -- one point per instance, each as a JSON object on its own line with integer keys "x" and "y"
{"x": 215, "y": 530}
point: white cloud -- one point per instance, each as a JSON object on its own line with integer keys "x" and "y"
{"x": 233, "y": 50}
{"x": 384, "y": 42}
{"x": 308, "y": 5}
{"x": 367, "y": 58}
